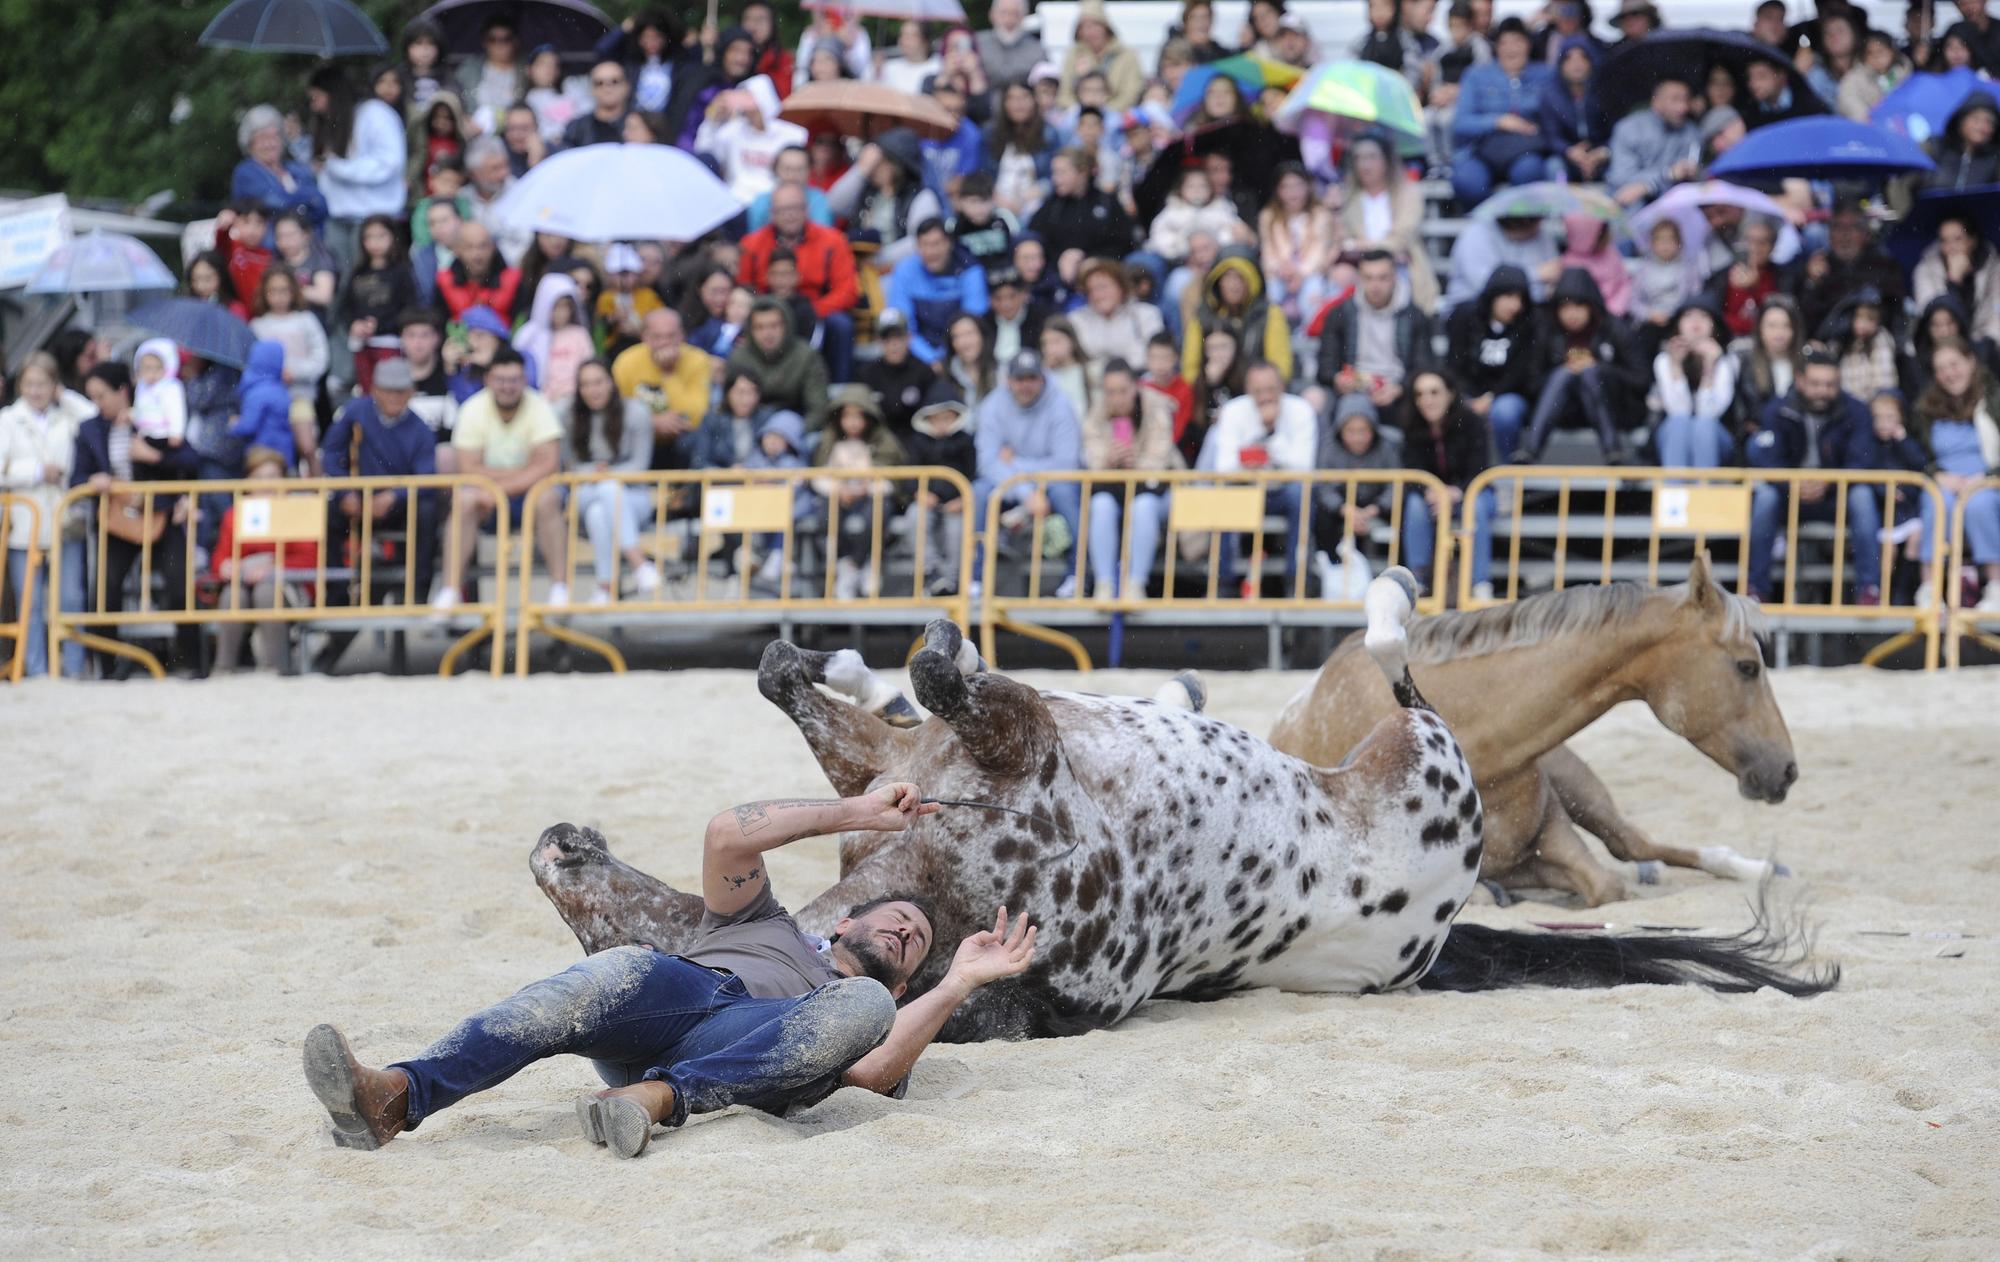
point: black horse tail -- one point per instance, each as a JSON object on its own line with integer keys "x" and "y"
{"x": 1769, "y": 953}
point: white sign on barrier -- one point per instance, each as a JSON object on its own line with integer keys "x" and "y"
{"x": 30, "y": 231}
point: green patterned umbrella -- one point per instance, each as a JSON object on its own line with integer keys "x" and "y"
{"x": 1347, "y": 97}
{"x": 1545, "y": 199}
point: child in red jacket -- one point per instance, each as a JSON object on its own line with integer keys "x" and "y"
{"x": 1163, "y": 375}
{"x": 239, "y": 239}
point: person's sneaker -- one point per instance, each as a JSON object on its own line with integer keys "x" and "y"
{"x": 1248, "y": 591}
{"x": 772, "y": 570}
{"x": 1926, "y": 595}
{"x": 1521, "y": 455}
{"x": 368, "y": 1106}
{"x": 1482, "y": 591}
{"x": 974, "y": 591}
{"x": 646, "y": 580}
{"x": 1989, "y": 602}
{"x": 602, "y": 596}
{"x": 941, "y": 585}
{"x": 558, "y": 594}
{"x": 1868, "y": 597}
{"x": 1328, "y": 574}
{"x": 846, "y": 580}
{"x": 446, "y": 601}
{"x": 1066, "y": 590}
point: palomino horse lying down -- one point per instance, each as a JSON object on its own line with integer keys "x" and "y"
{"x": 1518, "y": 680}
{"x": 1162, "y": 853}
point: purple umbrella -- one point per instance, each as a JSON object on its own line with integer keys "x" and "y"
{"x": 1683, "y": 202}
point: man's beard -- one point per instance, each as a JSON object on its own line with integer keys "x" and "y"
{"x": 869, "y": 956}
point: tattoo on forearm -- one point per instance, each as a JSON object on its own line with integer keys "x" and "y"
{"x": 755, "y": 817}
{"x": 738, "y": 882}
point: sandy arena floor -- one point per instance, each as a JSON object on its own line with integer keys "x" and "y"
{"x": 199, "y": 873}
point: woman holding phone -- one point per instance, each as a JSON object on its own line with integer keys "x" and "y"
{"x": 1127, "y": 431}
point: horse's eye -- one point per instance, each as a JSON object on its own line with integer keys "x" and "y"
{"x": 1749, "y": 667}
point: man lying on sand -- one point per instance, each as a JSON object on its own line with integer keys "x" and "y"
{"x": 756, "y": 1013}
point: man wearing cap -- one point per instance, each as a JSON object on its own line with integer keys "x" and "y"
{"x": 931, "y": 287}
{"x": 610, "y": 101}
{"x": 1493, "y": 126}
{"x": 625, "y": 303}
{"x": 1014, "y": 320}
{"x": 1030, "y": 427}
{"x": 897, "y": 377}
{"x": 940, "y": 433}
{"x": 378, "y": 436}
{"x": 1654, "y": 148}
{"x": 672, "y": 379}
{"x": 825, "y": 266}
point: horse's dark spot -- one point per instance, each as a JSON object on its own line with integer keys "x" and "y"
{"x": 1409, "y": 949}
{"x": 1321, "y": 817}
{"x": 1438, "y": 832}
{"x": 1307, "y": 879}
{"x": 1194, "y": 821}
{"x": 1249, "y": 863}
{"x": 1132, "y": 965}
{"x": 1357, "y": 887}
{"x": 1472, "y": 855}
{"x": 1413, "y": 805}
{"x": 1291, "y": 856}
{"x": 1468, "y": 804}
{"x": 1049, "y": 766}
{"x": 1006, "y": 850}
{"x": 1090, "y": 890}
{"x": 1064, "y": 883}
{"x": 1397, "y": 900}
{"x": 1367, "y": 909}
{"x": 1444, "y": 911}
{"x": 1432, "y": 775}
{"x": 1450, "y": 785}
{"x": 1025, "y": 881}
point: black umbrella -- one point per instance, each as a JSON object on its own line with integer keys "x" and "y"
{"x": 324, "y": 28}
{"x": 1625, "y": 80}
{"x": 570, "y": 26}
{"x": 1255, "y": 150}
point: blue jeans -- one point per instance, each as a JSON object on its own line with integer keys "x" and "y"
{"x": 1420, "y": 536}
{"x": 836, "y": 343}
{"x": 1506, "y": 416}
{"x": 1066, "y": 498}
{"x": 612, "y": 514}
{"x": 1691, "y": 442}
{"x": 640, "y": 1014}
{"x": 1767, "y": 522}
{"x": 1149, "y": 522}
{"x": 1982, "y": 525}
{"x": 75, "y": 574}
{"x": 1472, "y": 180}
{"x": 1280, "y": 499}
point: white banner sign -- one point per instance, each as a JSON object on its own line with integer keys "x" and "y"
{"x": 30, "y": 231}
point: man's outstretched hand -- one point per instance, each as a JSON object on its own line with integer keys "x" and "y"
{"x": 892, "y": 808}
{"x": 991, "y": 954}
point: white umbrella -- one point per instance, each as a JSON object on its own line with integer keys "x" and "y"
{"x": 101, "y": 263}
{"x": 619, "y": 193}
{"x": 1683, "y": 202}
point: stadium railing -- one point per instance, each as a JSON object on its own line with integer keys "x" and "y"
{"x": 703, "y": 528}
{"x": 1962, "y": 622}
{"x": 1554, "y": 526}
{"x": 1202, "y": 507}
{"x": 379, "y": 590}
{"x": 15, "y": 631}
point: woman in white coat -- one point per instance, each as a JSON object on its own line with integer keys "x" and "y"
{"x": 37, "y": 446}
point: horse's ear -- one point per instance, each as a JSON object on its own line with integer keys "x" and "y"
{"x": 1703, "y": 594}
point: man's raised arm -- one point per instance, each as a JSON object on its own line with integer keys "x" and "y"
{"x": 732, "y": 853}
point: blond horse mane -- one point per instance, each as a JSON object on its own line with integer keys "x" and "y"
{"x": 1551, "y": 615}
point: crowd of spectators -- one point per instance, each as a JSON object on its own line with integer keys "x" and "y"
{"x": 1079, "y": 277}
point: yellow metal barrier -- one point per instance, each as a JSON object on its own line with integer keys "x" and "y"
{"x": 16, "y": 631}
{"x": 1966, "y": 622}
{"x": 1207, "y": 506}
{"x": 695, "y": 517}
{"x": 1697, "y": 506}
{"x": 279, "y": 512}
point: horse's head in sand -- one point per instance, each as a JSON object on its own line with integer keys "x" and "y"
{"x": 1707, "y": 683}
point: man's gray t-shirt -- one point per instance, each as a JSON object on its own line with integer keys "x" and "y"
{"x": 764, "y": 947}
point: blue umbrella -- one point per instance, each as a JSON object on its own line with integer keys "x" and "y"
{"x": 208, "y": 329}
{"x": 1979, "y": 206}
{"x": 1922, "y": 104}
{"x": 1820, "y": 148}
{"x": 101, "y": 263}
{"x": 324, "y": 28}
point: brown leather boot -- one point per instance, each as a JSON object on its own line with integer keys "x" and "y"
{"x": 367, "y": 1105}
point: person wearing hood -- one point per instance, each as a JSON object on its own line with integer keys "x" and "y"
{"x": 1375, "y": 342}
{"x": 1966, "y": 154}
{"x": 882, "y": 196}
{"x": 1128, "y": 430}
{"x": 1807, "y": 429}
{"x": 940, "y": 433}
{"x": 37, "y": 449}
{"x": 1353, "y": 443}
{"x": 791, "y": 372}
{"x": 1696, "y": 381}
{"x": 1492, "y": 355}
{"x": 159, "y": 400}
{"x": 1587, "y": 245}
{"x": 555, "y": 341}
{"x": 1096, "y": 48}
{"x": 1233, "y": 298}
{"x": 1571, "y": 123}
{"x": 1590, "y": 367}
{"x": 264, "y": 405}
{"x": 1654, "y": 148}
{"x": 931, "y": 287}
{"x": 1962, "y": 265}
{"x": 699, "y": 85}
{"x": 1857, "y": 335}
{"x": 1528, "y": 244}
{"x": 1029, "y": 427}
{"x": 742, "y": 132}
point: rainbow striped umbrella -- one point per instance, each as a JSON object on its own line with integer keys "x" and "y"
{"x": 1252, "y": 74}
{"x": 1355, "y": 96}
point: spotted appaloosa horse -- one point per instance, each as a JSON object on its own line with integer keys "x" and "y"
{"x": 1164, "y": 853}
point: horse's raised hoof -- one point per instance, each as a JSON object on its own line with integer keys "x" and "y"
{"x": 1501, "y": 898}
{"x": 1779, "y": 869}
{"x": 1649, "y": 871}
{"x": 1184, "y": 691}
{"x": 846, "y": 673}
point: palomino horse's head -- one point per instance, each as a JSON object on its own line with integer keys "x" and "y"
{"x": 1707, "y": 682}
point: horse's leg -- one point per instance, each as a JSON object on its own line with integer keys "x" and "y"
{"x": 852, "y": 745}
{"x": 1005, "y": 726}
{"x": 1590, "y": 806}
{"x": 607, "y": 903}
{"x": 848, "y": 675}
{"x": 1562, "y": 859}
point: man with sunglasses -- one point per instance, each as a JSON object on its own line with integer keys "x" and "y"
{"x": 610, "y": 101}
